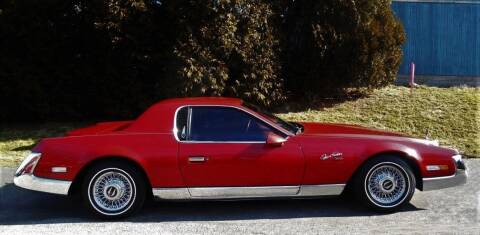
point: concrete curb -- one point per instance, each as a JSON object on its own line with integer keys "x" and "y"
{"x": 440, "y": 81}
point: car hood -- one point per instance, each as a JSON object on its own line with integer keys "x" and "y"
{"x": 311, "y": 128}
{"x": 327, "y": 130}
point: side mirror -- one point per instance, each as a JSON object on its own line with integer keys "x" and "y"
{"x": 275, "y": 140}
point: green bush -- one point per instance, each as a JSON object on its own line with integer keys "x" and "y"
{"x": 227, "y": 48}
{"x": 64, "y": 60}
{"x": 110, "y": 59}
{"x": 333, "y": 45}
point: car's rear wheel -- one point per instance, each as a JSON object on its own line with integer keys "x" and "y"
{"x": 113, "y": 189}
{"x": 385, "y": 183}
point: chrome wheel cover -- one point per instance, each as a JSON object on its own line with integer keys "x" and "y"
{"x": 112, "y": 191}
{"x": 387, "y": 184}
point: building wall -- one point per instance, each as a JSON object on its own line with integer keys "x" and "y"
{"x": 443, "y": 37}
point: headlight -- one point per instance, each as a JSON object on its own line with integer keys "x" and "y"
{"x": 457, "y": 157}
{"x": 459, "y": 162}
{"x": 28, "y": 164}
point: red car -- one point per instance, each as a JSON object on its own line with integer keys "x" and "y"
{"x": 223, "y": 148}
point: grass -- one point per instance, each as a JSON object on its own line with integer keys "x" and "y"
{"x": 17, "y": 140}
{"x": 451, "y": 115}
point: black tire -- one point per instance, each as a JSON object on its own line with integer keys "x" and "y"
{"x": 385, "y": 183}
{"x": 115, "y": 182}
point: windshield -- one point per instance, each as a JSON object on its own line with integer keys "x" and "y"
{"x": 292, "y": 127}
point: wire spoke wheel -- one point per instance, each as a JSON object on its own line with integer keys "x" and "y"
{"x": 112, "y": 191}
{"x": 387, "y": 184}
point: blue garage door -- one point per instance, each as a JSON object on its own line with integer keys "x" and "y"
{"x": 443, "y": 37}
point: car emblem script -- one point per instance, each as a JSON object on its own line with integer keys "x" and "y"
{"x": 334, "y": 155}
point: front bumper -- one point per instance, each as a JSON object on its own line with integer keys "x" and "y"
{"x": 29, "y": 181}
{"x": 459, "y": 178}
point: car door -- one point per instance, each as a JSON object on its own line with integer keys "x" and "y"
{"x": 223, "y": 153}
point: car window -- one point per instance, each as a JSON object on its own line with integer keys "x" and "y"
{"x": 181, "y": 123}
{"x": 225, "y": 124}
{"x": 292, "y": 127}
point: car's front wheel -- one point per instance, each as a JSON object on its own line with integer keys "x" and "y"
{"x": 113, "y": 189}
{"x": 385, "y": 183}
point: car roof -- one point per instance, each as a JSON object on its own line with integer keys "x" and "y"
{"x": 159, "y": 117}
{"x": 202, "y": 100}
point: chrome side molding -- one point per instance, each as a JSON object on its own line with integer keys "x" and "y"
{"x": 171, "y": 193}
{"x": 248, "y": 192}
{"x": 243, "y": 192}
{"x": 321, "y": 190}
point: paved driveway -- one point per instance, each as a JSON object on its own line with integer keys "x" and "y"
{"x": 454, "y": 210}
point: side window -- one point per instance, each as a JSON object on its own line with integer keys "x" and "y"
{"x": 182, "y": 120}
{"x": 225, "y": 124}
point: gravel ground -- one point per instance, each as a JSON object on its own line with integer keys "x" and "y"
{"x": 453, "y": 210}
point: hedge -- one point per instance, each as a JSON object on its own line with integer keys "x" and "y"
{"x": 110, "y": 59}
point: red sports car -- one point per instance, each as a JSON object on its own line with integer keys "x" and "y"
{"x": 223, "y": 148}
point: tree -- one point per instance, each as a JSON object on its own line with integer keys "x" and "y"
{"x": 80, "y": 59}
{"x": 227, "y": 48}
{"x": 334, "y": 45}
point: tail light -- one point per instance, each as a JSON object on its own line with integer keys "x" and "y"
{"x": 28, "y": 164}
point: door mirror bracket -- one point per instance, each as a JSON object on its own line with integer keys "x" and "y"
{"x": 275, "y": 140}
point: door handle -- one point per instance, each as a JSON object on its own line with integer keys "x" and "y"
{"x": 197, "y": 159}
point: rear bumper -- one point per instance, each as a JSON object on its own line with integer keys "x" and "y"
{"x": 459, "y": 178}
{"x": 29, "y": 181}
